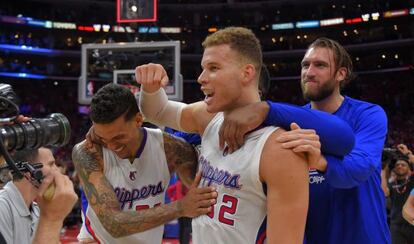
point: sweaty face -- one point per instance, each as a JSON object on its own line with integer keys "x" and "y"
{"x": 119, "y": 136}
{"x": 221, "y": 78}
{"x": 45, "y": 157}
{"x": 318, "y": 76}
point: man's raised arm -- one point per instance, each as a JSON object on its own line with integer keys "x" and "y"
{"x": 156, "y": 107}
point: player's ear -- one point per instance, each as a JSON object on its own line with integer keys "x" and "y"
{"x": 341, "y": 74}
{"x": 139, "y": 119}
{"x": 249, "y": 72}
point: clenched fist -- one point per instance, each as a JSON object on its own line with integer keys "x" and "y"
{"x": 151, "y": 77}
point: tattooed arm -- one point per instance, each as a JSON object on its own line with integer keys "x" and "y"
{"x": 181, "y": 158}
{"x": 101, "y": 197}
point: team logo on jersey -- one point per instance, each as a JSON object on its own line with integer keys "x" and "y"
{"x": 132, "y": 175}
{"x": 210, "y": 174}
{"x": 315, "y": 177}
{"x": 127, "y": 197}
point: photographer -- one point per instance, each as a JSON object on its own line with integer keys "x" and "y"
{"x": 402, "y": 148}
{"x": 19, "y": 214}
{"x": 398, "y": 191}
{"x": 35, "y": 176}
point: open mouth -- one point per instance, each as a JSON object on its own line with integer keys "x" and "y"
{"x": 208, "y": 95}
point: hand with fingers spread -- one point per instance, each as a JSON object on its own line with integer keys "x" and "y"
{"x": 240, "y": 121}
{"x": 198, "y": 201}
{"x": 151, "y": 77}
{"x": 304, "y": 141}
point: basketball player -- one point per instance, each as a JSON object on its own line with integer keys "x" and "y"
{"x": 231, "y": 67}
{"x": 125, "y": 179}
{"x": 347, "y": 204}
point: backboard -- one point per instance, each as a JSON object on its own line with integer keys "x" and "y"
{"x": 127, "y": 79}
{"x": 116, "y": 62}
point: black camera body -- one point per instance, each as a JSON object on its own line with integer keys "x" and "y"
{"x": 8, "y": 101}
{"x": 390, "y": 157}
{"x": 54, "y": 130}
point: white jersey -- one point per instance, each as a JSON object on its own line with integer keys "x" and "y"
{"x": 239, "y": 216}
{"x": 138, "y": 186}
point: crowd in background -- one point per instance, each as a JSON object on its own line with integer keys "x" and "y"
{"x": 393, "y": 90}
{"x": 394, "y": 94}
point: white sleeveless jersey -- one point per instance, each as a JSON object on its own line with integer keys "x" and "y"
{"x": 138, "y": 186}
{"x": 239, "y": 216}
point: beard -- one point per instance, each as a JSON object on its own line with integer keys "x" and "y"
{"x": 318, "y": 94}
{"x": 401, "y": 175}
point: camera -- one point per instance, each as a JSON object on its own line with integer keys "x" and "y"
{"x": 54, "y": 130}
{"x": 8, "y": 101}
{"x": 390, "y": 156}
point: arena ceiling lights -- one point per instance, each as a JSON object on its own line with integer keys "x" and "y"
{"x": 153, "y": 30}
{"x": 338, "y": 21}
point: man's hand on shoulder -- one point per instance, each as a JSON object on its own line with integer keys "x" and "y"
{"x": 304, "y": 141}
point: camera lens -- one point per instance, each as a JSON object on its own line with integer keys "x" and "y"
{"x": 7, "y": 96}
{"x": 53, "y": 130}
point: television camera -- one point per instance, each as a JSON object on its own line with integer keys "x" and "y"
{"x": 53, "y": 130}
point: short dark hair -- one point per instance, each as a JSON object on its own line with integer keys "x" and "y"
{"x": 341, "y": 57}
{"x": 111, "y": 102}
{"x": 26, "y": 155}
{"x": 402, "y": 157}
